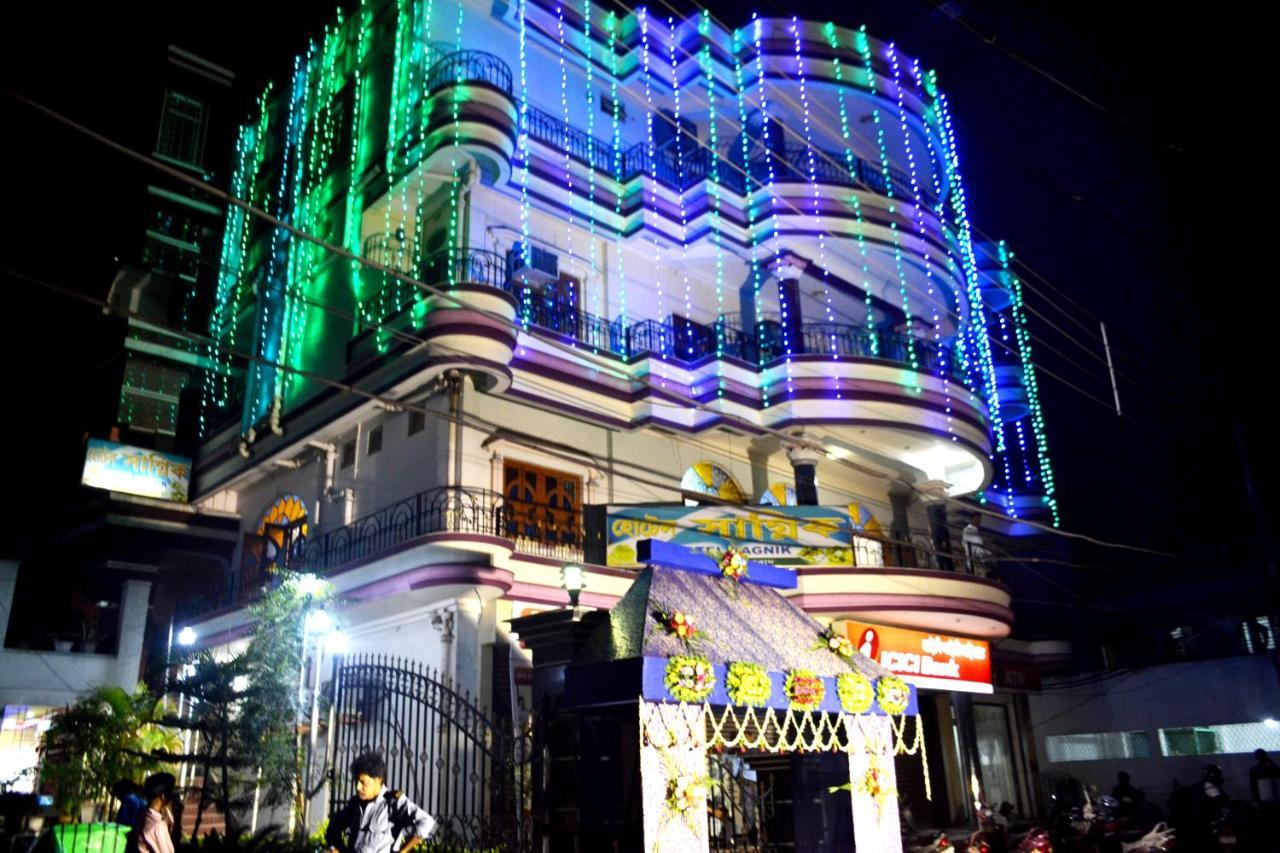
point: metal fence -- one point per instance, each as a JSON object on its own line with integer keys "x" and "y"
{"x": 448, "y": 755}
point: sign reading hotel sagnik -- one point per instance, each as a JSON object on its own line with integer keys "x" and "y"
{"x": 781, "y": 535}
{"x": 926, "y": 660}
{"x": 136, "y": 471}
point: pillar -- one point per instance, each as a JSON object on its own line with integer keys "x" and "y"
{"x": 935, "y": 493}
{"x": 135, "y": 598}
{"x": 8, "y": 584}
{"x": 804, "y": 464}
{"x": 787, "y": 270}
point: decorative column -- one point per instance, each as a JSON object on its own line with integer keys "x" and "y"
{"x": 673, "y": 777}
{"x": 804, "y": 464}
{"x": 134, "y": 599}
{"x": 786, "y": 270}
{"x": 873, "y": 783}
{"x": 935, "y": 495}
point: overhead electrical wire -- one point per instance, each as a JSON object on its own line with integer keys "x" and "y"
{"x": 453, "y": 299}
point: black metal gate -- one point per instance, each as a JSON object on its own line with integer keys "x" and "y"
{"x": 471, "y": 772}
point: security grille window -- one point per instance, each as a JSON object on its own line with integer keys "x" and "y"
{"x": 375, "y": 440}
{"x": 1097, "y": 746}
{"x": 867, "y": 553}
{"x": 1230, "y": 738}
{"x": 348, "y": 454}
{"x": 544, "y": 505}
{"x": 182, "y": 130}
{"x": 417, "y": 421}
{"x": 1258, "y": 636}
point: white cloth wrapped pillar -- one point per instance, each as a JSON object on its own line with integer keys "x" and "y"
{"x": 874, "y": 784}
{"x": 673, "y": 777}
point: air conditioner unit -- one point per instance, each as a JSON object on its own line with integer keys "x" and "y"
{"x": 542, "y": 266}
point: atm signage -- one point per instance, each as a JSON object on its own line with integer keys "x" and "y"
{"x": 936, "y": 661}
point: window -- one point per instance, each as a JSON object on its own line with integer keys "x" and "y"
{"x": 182, "y": 130}
{"x": 1258, "y": 636}
{"x": 348, "y": 454}
{"x": 1096, "y": 746}
{"x": 375, "y": 440}
{"x": 1230, "y": 738}
{"x": 608, "y": 105}
{"x": 417, "y": 422}
{"x": 545, "y": 505}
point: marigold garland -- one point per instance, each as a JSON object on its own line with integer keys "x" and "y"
{"x": 893, "y": 694}
{"x": 748, "y": 684}
{"x": 805, "y": 689}
{"x": 689, "y": 678}
{"x": 856, "y": 692}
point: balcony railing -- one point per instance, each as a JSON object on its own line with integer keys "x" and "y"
{"x": 535, "y": 529}
{"x": 674, "y": 339}
{"x": 470, "y": 66}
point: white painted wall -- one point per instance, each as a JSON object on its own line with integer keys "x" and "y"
{"x": 1241, "y": 689}
{"x": 57, "y": 678}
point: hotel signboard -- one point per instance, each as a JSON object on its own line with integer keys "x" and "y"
{"x": 136, "y": 471}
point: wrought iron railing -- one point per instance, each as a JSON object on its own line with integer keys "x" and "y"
{"x": 470, "y": 66}
{"x": 533, "y": 528}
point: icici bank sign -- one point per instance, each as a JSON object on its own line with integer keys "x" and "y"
{"x": 935, "y": 661}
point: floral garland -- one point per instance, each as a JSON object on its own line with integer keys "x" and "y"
{"x": 831, "y": 641}
{"x": 748, "y": 684}
{"x": 893, "y": 694}
{"x": 733, "y": 564}
{"x": 856, "y": 692}
{"x": 679, "y": 624}
{"x": 689, "y": 678}
{"x": 805, "y": 689}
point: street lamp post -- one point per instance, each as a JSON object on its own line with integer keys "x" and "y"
{"x": 573, "y": 581}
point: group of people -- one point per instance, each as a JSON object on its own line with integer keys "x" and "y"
{"x": 150, "y": 811}
{"x": 371, "y": 822}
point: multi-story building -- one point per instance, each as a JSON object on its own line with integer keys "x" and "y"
{"x": 532, "y": 266}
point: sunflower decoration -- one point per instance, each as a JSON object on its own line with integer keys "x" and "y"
{"x": 804, "y": 689}
{"x": 836, "y": 644}
{"x": 748, "y": 684}
{"x": 856, "y": 692}
{"x": 893, "y": 695}
{"x": 679, "y": 624}
{"x": 689, "y": 678}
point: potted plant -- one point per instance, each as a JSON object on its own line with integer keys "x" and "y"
{"x": 88, "y": 636}
{"x": 62, "y": 644}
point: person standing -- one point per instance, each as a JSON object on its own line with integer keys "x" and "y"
{"x": 156, "y": 833}
{"x": 376, "y": 817}
{"x": 1264, "y": 784}
{"x": 132, "y": 806}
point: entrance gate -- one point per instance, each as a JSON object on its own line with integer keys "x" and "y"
{"x": 471, "y": 772}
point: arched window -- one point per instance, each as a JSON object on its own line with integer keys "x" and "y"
{"x": 778, "y": 494}
{"x": 282, "y": 530}
{"x": 706, "y": 478}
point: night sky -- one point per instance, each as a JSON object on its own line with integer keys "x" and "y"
{"x": 1147, "y": 217}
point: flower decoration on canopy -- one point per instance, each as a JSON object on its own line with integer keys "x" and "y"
{"x": 893, "y": 694}
{"x": 689, "y": 678}
{"x": 855, "y": 691}
{"x": 805, "y": 689}
{"x": 834, "y": 643}
{"x": 679, "y": 624}
{"x": 748, "y": 684}
{"x": 733, "y": 564}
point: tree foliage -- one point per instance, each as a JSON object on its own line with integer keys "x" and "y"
{"x": 107, "y": 735}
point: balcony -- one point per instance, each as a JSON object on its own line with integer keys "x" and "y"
{"x": 913, "y": 583}
{"x": 681, "y": 163}
{"x": 675, "y": 339}
{"x": 530, "y": 529}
